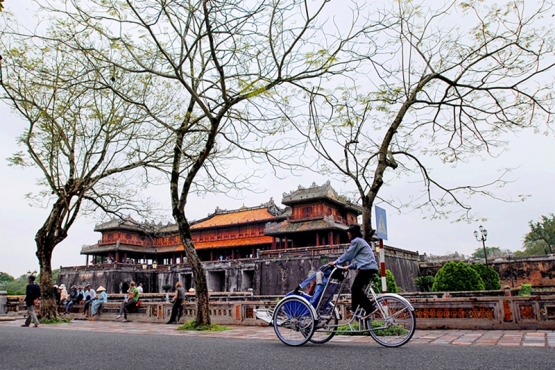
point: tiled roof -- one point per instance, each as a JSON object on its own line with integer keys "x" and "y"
{"x": 240, "y": 242}
{"x": 91, "y": 249}
{"x": 235, "y": 218}
{"x": 286, "y": 227}
{"x": 315, "y": 193}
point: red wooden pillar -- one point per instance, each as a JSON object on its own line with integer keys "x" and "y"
{"x": 317, "y": 239}
{"x": 274, "y": 243}
{"x": 86, "y": 260}
{"x": 286, "y": 242}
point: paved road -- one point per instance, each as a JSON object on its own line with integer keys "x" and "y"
{"x": 115, "y": 345}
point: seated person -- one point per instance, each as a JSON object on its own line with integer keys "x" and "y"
{"x": 97, "y": 303}
{"x": 90, "y": 295}
{"x": 130, "y": 303}
{"x": 72, "y": 298}
{"x": 56, "y": 294}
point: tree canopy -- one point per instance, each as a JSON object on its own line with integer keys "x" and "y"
{"x": 440, "y": 84}
{"x": 82, "y": 138}
{"x": 541, "y": 238}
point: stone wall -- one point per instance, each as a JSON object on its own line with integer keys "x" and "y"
{"x": 275, "y": 276}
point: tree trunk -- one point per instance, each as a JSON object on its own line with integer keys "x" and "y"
{"x": 367, "y": 218}
{"x": 201, "y": 287}
{"x": 46, "y": 239}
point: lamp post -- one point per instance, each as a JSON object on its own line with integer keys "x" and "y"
{"x": 482, "y": 237}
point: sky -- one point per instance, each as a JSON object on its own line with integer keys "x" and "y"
{"x": 507, "y": 222}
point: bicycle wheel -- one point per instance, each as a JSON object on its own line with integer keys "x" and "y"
{"x": 293, "y": 321}
{"x": 325, "y": 328}
{"x": 393, "y": 324}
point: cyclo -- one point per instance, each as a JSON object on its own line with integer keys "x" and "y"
{"x": 310, "y": 313}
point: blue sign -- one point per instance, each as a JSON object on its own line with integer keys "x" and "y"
{"x": 381, "y": 223}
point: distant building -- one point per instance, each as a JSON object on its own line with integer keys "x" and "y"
{"x": 313, "y": 216}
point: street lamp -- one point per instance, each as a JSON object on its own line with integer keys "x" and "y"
{"x": 482, "y": 237}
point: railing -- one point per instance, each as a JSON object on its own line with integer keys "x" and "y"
{"x": 486, "y": 312}
{"x": 305, "y": 251}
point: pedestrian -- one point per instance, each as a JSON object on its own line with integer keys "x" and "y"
{"x": 32, "y": 299}
{"x": 177, "y": 308}
{"x": 361, "y": 258}
{"x": 140, "y": 288}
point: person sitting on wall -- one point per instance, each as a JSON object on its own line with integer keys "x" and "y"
{"x": 56, "y": 293}
{"x": 177, "y": 308}
{"x": 90, "y": 295}
{"x": 72, "y": 297}
{"x": 63, "y": 294}
{"x": 130, "y": 303}
{"x": 97, "y": 303}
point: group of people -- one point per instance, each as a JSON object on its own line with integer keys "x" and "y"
{"x": 92, "y": 300}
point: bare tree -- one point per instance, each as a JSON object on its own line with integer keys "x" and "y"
{"x": 220, "y": 68}
{"x": 441, "y": 84}
{"x": 85, "y": 141}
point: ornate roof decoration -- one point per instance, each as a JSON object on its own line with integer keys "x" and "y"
{"x": 317, "y": 192}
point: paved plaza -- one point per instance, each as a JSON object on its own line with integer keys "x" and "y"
{"x": 508, "y": 338}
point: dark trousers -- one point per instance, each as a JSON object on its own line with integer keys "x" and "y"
{"x": 127, "y": 307}
{"x": 177, "y": 310}
{"x": 87, "y": 305}
{"x": 358, "y": 296}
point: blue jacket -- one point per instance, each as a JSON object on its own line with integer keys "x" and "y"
{"x": 360, "y": 254}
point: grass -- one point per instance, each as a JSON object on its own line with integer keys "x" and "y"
{"x": 56, "y": 321}
{"x": 192, "y": 325}
{"x": 391, "y": 331}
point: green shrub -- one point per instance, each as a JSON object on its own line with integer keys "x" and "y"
{"x": 457, "y": 276}
{"x": 389, "y": 280}
{"x": 525, "y": 290}
{"x": 481, "y": 269}
{"x": 424, "y": 283}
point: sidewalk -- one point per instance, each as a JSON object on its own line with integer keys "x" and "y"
{"x": 509, "y": 338}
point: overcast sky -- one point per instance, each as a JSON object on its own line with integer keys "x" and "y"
{"x": 507, "y": 223}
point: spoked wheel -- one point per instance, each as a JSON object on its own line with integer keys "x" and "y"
{"x": 325, "y": 328}
{"x": 293, "y": 321}
{"x": 395, "y": 325}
